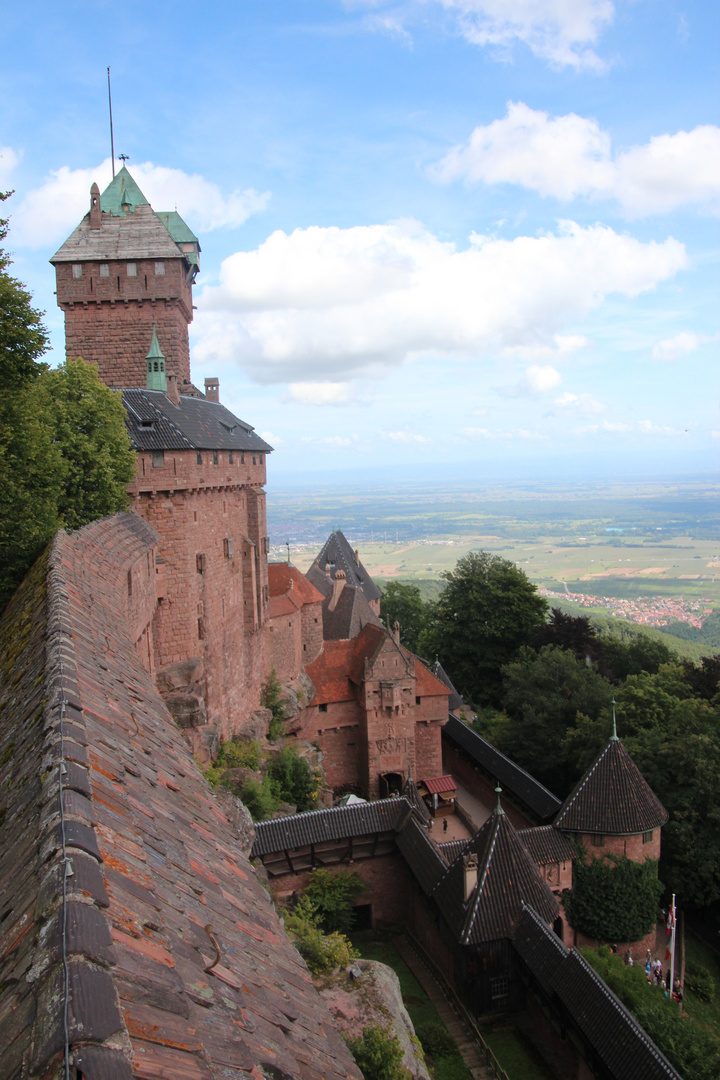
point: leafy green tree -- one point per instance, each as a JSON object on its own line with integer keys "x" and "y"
{"x": 613, "y": 902}
{"x": 271, "y": 698}
{"x": 487, "y": 610}
{"x": 378, "y": 1053}
{"x": 87, "y": 421}
{"x": 332, "y": 894}
{"x": 544, "y": 692}
{"x": 633, "y": 656}
{"x": 403, "y": 603}
{"x": 573, "y": 632}
{"x": 321, "y": 952}
{"x": 293, "y": 779}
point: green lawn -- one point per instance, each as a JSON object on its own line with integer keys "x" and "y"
{"x": 706, "y": 1013}
{"x": 516, "y": 1054}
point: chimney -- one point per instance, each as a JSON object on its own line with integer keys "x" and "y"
{"x": 95, "y": 212}
{"x": 396, "y": 631}
{"x": 338, "y": 586}
{"x": 327, "y": 569}
{"x": 212, "y": 389}
{"x": 357, "y": 557}
{"x": 173, "y": 391}
{"x": 470, "y": 870}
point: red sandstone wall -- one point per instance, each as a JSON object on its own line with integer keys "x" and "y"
{"x": 285, "y": 645}
{"x": 428, "y": 749}
{"x": 632, "y": 846}
{"x": 387, "y": 887}
{"x": 109, "y": 321}
{"x": 312, "y": 632}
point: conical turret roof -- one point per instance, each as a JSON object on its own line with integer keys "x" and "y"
{"x": 506, "y": 878}
{"x": 612, "y": 798}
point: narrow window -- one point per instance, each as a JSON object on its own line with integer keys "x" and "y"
{"x": 417, "y": 700}
{"x": 200, "y": 564}
{"x": 129, "y": 579}
{"x": 598, "y": 840}
{"x": 199, "y": 458}
{"x": 230, "y": 458}
{"x": 227, "y": 544}
{"x": 77, "y": 270}
{"x": 132, "y": 269}
{"x": 159, "y": 269}
{"x": 194, "y": 515}
{"x": 261, "y": 459}
{"x": 304, "y": 647}
{"x": 242, "y": 457}
{"x": 201, "y": 629}
{"x": 215, "y": 457}
{"x": 647, "y": 837}
{"x": 104, "y": 270}
{"x": 254, "y": 461}
{"x": 158, "y": 459}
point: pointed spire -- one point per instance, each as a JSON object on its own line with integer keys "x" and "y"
{"x": 614, "y": 734}
{"x": 156, "y": 376}
{"x": 498, "y": 809}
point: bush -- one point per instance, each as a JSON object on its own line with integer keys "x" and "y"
{"x": 332, "y": 895}
{"x": 321, "y": 952}
{"x": 699, "y": 980}
{"x": 613, "y": 902}
{"x": 436, "y": 1040}
{"x": 238, "y": 754}
{"x": 378, "y": 1054}
{"x": 294, "y": 779}
{"x": 271, "y": 698}
{"x": 259, "y": 798}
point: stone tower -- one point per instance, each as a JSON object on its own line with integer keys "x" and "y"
{"x": 125, "y": 270}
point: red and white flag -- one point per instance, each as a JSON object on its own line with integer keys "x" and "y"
{"x": 669, "y": 927}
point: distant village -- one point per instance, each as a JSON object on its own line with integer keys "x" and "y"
{"x": 646, "y": 610}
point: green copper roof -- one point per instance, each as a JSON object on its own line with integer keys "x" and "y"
{"x": 121, "y": 192}
{"x": 177, "y": 228}
{"x": 156, "y": 377}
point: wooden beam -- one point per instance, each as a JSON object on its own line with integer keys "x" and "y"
{"x": 289, "y": 861}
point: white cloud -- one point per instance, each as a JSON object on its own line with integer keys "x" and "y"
{"x": 578, "y": 405}
{"x": 321, "y": 304}
{"x": 274, "y": 440}
{"x": 319, "y": 393}
{"x": 328, "y": 440}
{"x": 570, "y": 156}
{"x": 9, "y": 160}
{"x": 489, "y": 434}
{"x": 49, "y": 213}
{"x": 406, "y": 437}
{"x": 560, "y": 31}
{"x": 682, "y": 344}
{"x": 534, "y": 381}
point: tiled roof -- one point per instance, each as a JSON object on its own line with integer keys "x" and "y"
{"x": 284, "y": 579}
{"x": 624, "y": 1047}
{"x": 418, "y": 804}
{"x": 506, "y": 878}
{"x": 547, "y": 845}
{"x": 421, "y": 855}
{"x": 455, "y": 700}
{"x": 140, "y": 235}
{"x": 514, "y": 780}
{"x": 174, "y": 951}
{"x": 450, "y": 849}
{"x": 330, "y": 673}
{"x": 351, "y": 613}
{"x": 154, "y": 423}
{"x": 337, "y": 552}
{"x": 340, "y": 822}
{"x": 612, "y": 797}
{"x": 428, "y": 684}
{"x": 438, "y": 785}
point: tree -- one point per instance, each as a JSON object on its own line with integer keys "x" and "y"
{"x": 544, "y": 693}
{"x": 403, "y": 603}
{"x": 572, "y": 632}
{"x": 294, "y": 778}
{"x": 87, "y": 421}
{"x": 332, "y": 895}
{"x": 487, "y": 610}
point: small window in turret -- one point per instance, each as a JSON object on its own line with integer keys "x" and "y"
{"x": 132, "y": 269}
{"x": 159, "y": 269}
{"x": 104, "y": 270}
{"x": 77, "y": 270}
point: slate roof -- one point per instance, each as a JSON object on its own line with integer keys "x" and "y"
{"x": 514, "y": 780}
{"x": 337, "y": 552}
{"x": 421, "y": 855}
{"x": 624, "y": 1047}
{"x": 455, "y": 700}
{"x": 351, "y": 613}
{"x": 418, "y": 804}
{"x": 613, "y": 798}
{"x": 450, "y": 849}
{"x": 339, "y": 822}
{"x": 128, "y": 231}
{"x": 546, "y": 845}
{"x": 506, "y": 878}
{"x": 160, "y": 885}
{"x": 154, "y": 423}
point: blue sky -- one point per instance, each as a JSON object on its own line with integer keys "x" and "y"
{"x": 434, "y": 232}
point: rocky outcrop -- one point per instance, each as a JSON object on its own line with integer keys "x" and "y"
{"x": 372, "y": 996}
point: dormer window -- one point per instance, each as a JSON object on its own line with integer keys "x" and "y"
{"x": 104, "y": 270}
{"x": 132, "y": 269}
{"x": 147, "y": 425}
{"x": 188, "y": 247}
{"x": 159, "y": 269}
{"x": 77, "y": 270}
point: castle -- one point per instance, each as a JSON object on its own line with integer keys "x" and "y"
{"x": 136, "y": 939}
